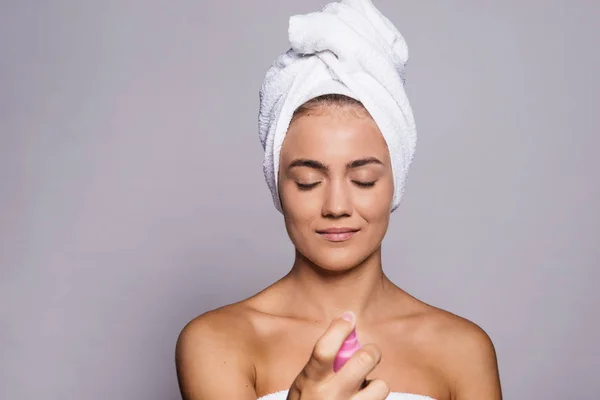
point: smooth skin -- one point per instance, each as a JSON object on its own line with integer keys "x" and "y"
{"x": 335, "y": 172}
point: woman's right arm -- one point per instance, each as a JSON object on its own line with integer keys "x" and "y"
{"x": 213, "y": 363}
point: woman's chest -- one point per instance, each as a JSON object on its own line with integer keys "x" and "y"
{"x": 405, "y": 367}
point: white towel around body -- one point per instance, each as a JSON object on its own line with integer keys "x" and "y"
{"x": 392, "y": 396}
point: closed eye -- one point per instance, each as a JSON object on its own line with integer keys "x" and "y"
{"x": 306, "y": 186}
{"x": 364, "y": 184}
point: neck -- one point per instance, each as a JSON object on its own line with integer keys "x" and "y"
{"x": 324, "y": 295}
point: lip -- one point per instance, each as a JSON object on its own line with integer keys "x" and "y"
{"x": 337, "y": 234}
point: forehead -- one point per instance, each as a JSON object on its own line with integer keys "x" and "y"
{"x": 334, "y": 135}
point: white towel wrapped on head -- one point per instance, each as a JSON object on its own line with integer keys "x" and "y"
{"x": 347, "y": 48}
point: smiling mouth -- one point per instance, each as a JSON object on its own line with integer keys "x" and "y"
{"x": 337, "y": 235}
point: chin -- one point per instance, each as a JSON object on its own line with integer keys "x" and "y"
{"x": 336, "y": 257}
{"x": 337, "y": 260}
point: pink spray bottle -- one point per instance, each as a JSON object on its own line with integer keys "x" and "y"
{"x": 349, "y": 347}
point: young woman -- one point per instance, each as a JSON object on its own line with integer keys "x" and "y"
{"x": 336, "y": 166}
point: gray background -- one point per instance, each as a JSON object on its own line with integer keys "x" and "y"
{"x": 132, "y": 196}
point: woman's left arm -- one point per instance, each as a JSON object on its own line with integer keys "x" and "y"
{"x": 477, "y": 375}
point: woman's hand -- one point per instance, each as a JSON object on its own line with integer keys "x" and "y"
{"x": 317, "y": 381}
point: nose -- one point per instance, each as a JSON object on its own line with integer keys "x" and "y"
{"x": 337, "y": 202}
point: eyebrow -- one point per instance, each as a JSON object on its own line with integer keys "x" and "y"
{"x": 363, "y": 161}
{"x": 304, "y": 162}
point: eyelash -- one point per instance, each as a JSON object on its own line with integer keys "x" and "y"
{"x": 365, "y": 184}
{"x": 304, "y": 186}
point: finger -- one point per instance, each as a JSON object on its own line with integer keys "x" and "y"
{"x": 356, "y": 369}
{"x": 375, "y": 390}
{"x": 328, "y": 345}
{"x": 293, "y": 393}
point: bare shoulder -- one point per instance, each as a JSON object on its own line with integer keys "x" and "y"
{"x": 467, "y": 354}
{"x": 213, "y": 355}
{"x": 458, "y": 335}
{"x": 229, "y": 326}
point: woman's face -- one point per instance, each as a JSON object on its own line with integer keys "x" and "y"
{"x": 336, "y": 187}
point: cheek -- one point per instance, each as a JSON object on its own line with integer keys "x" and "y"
{"x": 300, "y": 210}
{"x": 375, "y": 203}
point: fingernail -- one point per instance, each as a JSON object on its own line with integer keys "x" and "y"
{"x": 349, "y": 316}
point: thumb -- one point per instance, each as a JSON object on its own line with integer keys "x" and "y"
{"x": 320, "y": 364}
